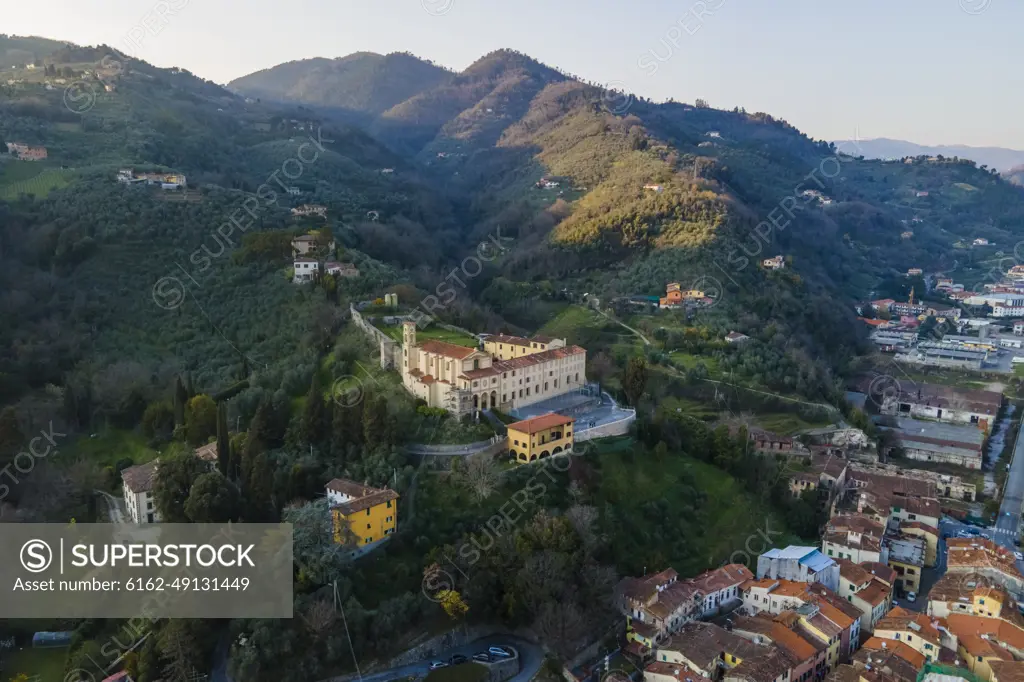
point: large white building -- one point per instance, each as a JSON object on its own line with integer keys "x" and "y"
{"x": 138, "y": 492}
{"x": 509, "y": 373}
{"x": 799, "y": 564}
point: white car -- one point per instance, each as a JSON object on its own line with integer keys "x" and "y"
{"x": 1018, "y": 556}
{"x": 911, "y": 596}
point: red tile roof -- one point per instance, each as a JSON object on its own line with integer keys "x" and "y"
{"x": 448, "y": 350}
{"x": 545, "y": 421}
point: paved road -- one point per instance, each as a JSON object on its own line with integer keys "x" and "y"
{"x": 115, "y": 512}
{"x": 530, "y": 659}
{"x": 1008, "y": 524}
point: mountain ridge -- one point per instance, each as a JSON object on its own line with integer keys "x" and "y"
{"x": 1000, "y": 158}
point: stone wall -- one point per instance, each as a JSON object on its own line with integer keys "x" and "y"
{"x": 616, "y": 428}
{"x": 389, "y": 349}
{"x": 439, "y": 643}
{"x": 503, "y": 668}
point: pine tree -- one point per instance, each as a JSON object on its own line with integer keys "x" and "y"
{"x": 223, "y": 441}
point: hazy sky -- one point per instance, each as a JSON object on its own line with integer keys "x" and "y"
{"x": 929, "y": 71}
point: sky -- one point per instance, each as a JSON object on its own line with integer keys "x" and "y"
{"x": 928, "y": 71}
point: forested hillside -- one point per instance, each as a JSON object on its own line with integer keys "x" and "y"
{"x": 363, "y": 84}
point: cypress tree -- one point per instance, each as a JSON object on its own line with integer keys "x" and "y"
{"x": 180, "y": 398}
{"x": 223, "y": 442}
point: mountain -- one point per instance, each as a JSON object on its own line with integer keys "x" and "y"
{"x": 24, "y": 50}
{"x": 100, "y": 253}
{"x": 638, "y": 194}
{"x": 999, "y": 158}
{"x": 362, "y": 83}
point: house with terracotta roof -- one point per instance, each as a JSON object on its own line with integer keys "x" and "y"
{"x": 655, "y": 606}
{"x": 970, "y": 593}
{"x": 463, "y": 380}
{"x": 26, "y": 152}
{"x": 864, "y": 590}
{"x": 821, "y": 610}
{"x": 507, "y": 347}
{"x": 922, "y": 633}
{"x": 897, "y": 659}
{"x": 361, "y": 514}
{"x": 718, "y": 654}
{"x": 1007, "y": 671}
{"x": 808, "y": 652}
{"x": 675, "y": 296}
{"x": 658, "y": 605}
{"x": 721, "y": 587}
{"x": 137, "y": 486}
{"x": 855, "y": 537}
{"x": 978, "y": 555}
{"x": 661, "y": 671}
{"x": 983, "y": 641}
{"x": 540, "y": 437}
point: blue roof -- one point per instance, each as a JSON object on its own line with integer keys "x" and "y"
{"x": 816, "y": 561}
{"x": 791, "y": 552}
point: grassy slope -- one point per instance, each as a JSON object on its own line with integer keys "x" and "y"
{"x": 733, "y": 516}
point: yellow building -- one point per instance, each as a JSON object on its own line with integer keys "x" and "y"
{"x": 540, "y": 437}
{"x": 370, "y": 514}
{"x": 506, "y": 347}
{"x": 915, "y": 629}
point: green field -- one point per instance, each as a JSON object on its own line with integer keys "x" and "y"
{"x": 571, "y": 320}
{"x": 689, "y": 361}
{"x": 108, "y": 447}
{"x": 44, "y": 665}
{"x": 30, "y": 177}
{"x": 434, "y": 333}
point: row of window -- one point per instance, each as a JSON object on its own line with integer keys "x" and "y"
{"x": 387, "y": 520}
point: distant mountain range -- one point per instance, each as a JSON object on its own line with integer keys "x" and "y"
{"x": 1000, "y": 158}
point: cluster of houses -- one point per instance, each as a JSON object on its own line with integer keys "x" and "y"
{"x": 168, "y": 181}
{"x": 677, "y": 297}
{"x": 27, "y": 152}
{"x": 815, "y": 195}
{"x": 307, "y": 269}
{"x": 832, "y": 613}
{"x": 308, "y": 209}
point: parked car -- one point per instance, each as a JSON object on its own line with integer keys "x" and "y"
{"x": 1018, "y": 556}
{"x": 457, "y": 659}
{"x": 482, "y": 656}
{"x": 434, "y": 665}
{"x": 499, "y": 651}
{"x": 911, "y": 596}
